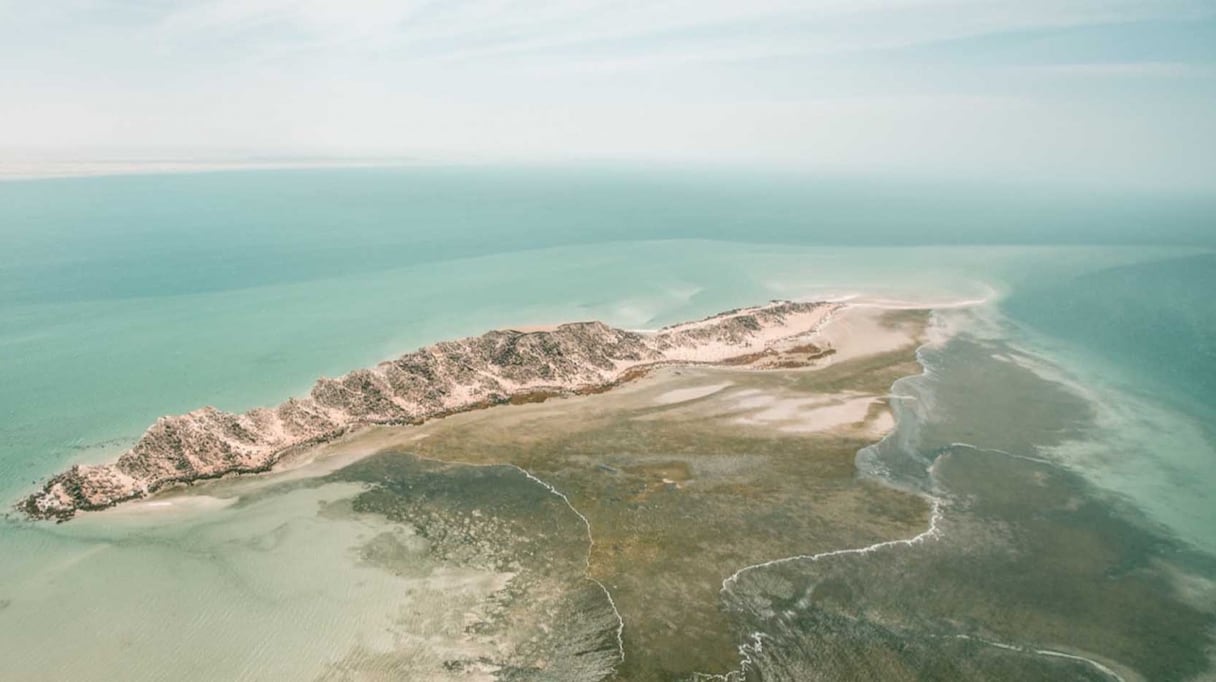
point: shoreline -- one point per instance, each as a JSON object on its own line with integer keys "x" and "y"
{"x": 645, "y": 463}
{"x": 638, "y": 467}
{"x": 499, "y": 367}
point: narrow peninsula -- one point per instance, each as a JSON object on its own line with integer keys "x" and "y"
{"x": 503, "y": 366}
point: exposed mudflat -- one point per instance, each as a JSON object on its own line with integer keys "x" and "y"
{"x": 683, "y": 478}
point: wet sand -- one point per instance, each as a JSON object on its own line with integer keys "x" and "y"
{"x": 685, "y": 477}
{"x": 737, "y": 523}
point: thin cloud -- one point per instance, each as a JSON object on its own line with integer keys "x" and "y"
{"x": 824, "y": 84}
{"x": 1125, "y": 70}
{"x": 484, "y": 29}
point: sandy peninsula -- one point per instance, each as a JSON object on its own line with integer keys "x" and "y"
{"x": 505, "y": 366}
{"x": 681, "y": 480}
{"x": 673, "y": 461}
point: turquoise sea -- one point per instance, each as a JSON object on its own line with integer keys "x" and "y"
{"x": 124, "y": 298}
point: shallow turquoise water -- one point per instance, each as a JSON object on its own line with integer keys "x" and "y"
{"x": 124, "y": 298}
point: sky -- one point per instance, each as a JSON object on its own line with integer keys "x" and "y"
{"x": 1119, "y": 92}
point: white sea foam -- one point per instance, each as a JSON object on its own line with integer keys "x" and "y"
{"x": 931, "y": 532}
{"x": 620, "y": 628}
{"x": 748, "y": 650}
{"x": 755, "y": 645}
{"x": 1104, "y": 669}
{"x": 1028, "y": 458}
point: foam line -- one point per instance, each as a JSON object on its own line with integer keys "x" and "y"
{"x": 756, "y": 645}
{"x": 931, "y": 532}
{"x": 1028, "y": 458}
{"x": 620, "y": 621}
{"x": 1105, "y": 670}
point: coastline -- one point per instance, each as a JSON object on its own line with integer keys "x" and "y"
{"x": 762, "y": 401}
{"x": 605, "y": 497}
{"x": 499, "y": 367}
{"x": 646, "y": 463}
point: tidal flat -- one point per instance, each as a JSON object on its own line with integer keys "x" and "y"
{"x": 861, "y": 508}
{"x": 740, "y": 530}
{"x": 678, "y": 481}
{"x": 277, "y": 576}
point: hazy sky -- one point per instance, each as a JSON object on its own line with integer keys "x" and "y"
{"x": 1111, "y": 90}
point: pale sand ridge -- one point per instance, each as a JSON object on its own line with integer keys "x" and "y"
{"x": 448, "y": 377}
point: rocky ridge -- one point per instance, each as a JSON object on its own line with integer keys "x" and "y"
{"x": 497, "y": 367}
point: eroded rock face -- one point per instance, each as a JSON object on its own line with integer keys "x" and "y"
{"x": 447, "y": 377}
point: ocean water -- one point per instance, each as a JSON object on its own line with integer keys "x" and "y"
{"x": 1088, "y": 351}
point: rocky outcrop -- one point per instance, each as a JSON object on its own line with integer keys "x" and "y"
{"x": 452, "y": 376}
